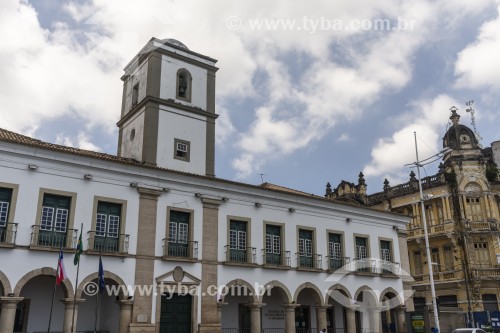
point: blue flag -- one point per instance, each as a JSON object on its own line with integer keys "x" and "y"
{"x": 100, "y": 279}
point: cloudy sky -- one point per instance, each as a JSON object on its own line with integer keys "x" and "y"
{"x": 307, "y": 92}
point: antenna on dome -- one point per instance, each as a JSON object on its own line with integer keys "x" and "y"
{"x": 469, "y": 109}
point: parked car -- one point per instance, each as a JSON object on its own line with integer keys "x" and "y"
{"x": 468, "y": 330}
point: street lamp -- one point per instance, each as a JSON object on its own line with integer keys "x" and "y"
{"x": 426, "y": 236}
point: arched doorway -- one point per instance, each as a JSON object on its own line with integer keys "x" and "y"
{"x": 38, "y": 289}
{"x": 389, "y": 316}
{"x": 237, "y": 296}
{"x": 367, "y": 314}
{"x": 340, "y": 299}
{"x": 100, "y": 310}
{"x": 275, "y": 296}
{"x": 309, "y": 297}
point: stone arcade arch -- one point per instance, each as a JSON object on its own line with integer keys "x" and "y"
{"x": 242, "y": 306}
{"x": 5, "y": 288}
{"x": 310, "y": 315}
{"x": 368, "y": 310}
{"x": 340, "y": 316}
{"x": 36, "y": 288}
{"x": 277, "y": 303}
{"x": 392, "y": 314}
{"x": 110, "y": 303}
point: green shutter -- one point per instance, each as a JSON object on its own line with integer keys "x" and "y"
{"x": 5, "y": 194}
{"x": 179, "y": 217}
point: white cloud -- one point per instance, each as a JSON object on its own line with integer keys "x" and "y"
{"x": 75, "y": 68}
{"x": 344, "y": 137}
{"x": 477, "y": 65}
{"x": 82, "y": 141}
{"x": 389, "y": 155}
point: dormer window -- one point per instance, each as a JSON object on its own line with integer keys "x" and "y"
{"x": 184, "y": 85}
{"x": 181, "y": 150}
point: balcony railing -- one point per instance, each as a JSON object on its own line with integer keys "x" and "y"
{"x": 335, "y": 263}
{"x": 273, "y": 330}
{"x": 235, "y": 330}
{"x": 107, "y": 242}
{"x": 53, "y": 238}
{"x": 242, "y": 255}
{"x": 8, "y": 232}
{"x": 389, "y": 268}
{"x": 309, "y": 261}
{"x": 366, "y": 266}
{"x": 175, "y": 248}
{"x": 490, "y": 272}
{"x": 276, "y": 259}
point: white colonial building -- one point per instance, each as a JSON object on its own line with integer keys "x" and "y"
{"x": 254, "y": 258}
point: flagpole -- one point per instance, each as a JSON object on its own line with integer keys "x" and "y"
{"x": 76, "y": 283}
{"x": 55, "y": 287}
{"x": 97, "y": 298}
{"x": 99, "y": 283}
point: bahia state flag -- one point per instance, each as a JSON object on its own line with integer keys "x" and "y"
{"x": 61, "y": 272}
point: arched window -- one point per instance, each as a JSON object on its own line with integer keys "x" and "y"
{"x": 183, "y": 85}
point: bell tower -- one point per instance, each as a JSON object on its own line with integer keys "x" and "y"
{"x": 168, "y": 108}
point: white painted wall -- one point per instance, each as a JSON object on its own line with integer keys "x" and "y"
{"x": 139, "y": 75}
{"x": 168, "y": 88}
{"x": 177, "y": 124}
{"x": 133, "y": 148}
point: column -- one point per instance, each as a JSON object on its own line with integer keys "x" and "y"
{"x": 375, "y": 325}
{"x": 351, "y": 320}
{"x": 8, "y": 316}
{"x": 321, "y": 316}
{"x": 70, "y": 318}
{"x": 255, "y": 318}
{"x": 210, "y": 320}
{"x": 448, "y": 208}
{"x": 290, "y": 317}
{"x": 401, "y": 320}
{"x": 125, "y": 315}
{"x": 484, "y": 208}
{"x": 144, "y": 265}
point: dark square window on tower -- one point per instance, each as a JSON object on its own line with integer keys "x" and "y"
{"x": 181, "y": 150}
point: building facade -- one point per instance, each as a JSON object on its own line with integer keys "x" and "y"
{"x": 181, "y": 249}
{"x": 462, "y": 212}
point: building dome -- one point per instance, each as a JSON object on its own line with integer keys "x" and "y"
{"x": 174, "y": 42}
{"x": 459, "y": 136}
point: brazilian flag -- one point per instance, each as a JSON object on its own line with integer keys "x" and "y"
{"x": 79, "y": 250}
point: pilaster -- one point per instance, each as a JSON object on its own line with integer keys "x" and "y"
{"x": 144, "y": 268}
{"x": 210, "y": 319}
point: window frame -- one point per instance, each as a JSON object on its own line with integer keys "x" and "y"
{"x": 281, "y": 235}
{"x": 189, "y": 82}
{"x": 11, "y": 211}
{"x": 122, "y": 222}
{"x": 248, "y": 240}
{"x": 135, "y": 95}
{"x": 368, "y": 252}
{"x": 186, "y": 158}
{"x": 71, "y": 213}
{"x": 391, "y": 248}
{"x": 171, "y": 209}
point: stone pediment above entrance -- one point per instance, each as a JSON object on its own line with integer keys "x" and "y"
{"x": 177, "y": 276}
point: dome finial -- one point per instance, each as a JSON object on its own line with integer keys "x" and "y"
{"x": 455, "y": 117}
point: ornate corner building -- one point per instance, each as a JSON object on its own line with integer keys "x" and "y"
{"x": 462, "y": 212}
